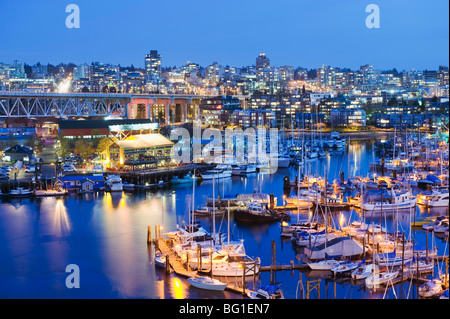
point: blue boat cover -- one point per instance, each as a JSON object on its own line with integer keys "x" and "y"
{"x": 433, "y": 178}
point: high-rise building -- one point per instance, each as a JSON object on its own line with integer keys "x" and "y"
{"x": 262, "y": 62}
{"x": 443, "y": 75}
{"x": 286, "y": 73}
{"x": 153, "y": 66}
{"x": 326, "y": 76}
{"x": 81, "y": 71}
{"x": 214, "y": 72}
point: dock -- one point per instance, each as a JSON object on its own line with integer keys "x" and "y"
{"x": 153, "y": 176}
{"x": 176, "y": 266}
{"x": 283, "y": 267}
{"x": 50, "y": 192}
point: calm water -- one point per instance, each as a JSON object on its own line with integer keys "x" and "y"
{"x": 105, "y": 235}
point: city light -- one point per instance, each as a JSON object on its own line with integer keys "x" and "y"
{"x": 65, "y": 86}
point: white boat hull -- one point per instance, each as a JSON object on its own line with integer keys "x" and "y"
{"x": 207, "y": 283}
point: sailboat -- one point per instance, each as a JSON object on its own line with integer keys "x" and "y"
{"x": 270, "y": 292}
{"x": 207, "y": 283}
{"x": 378, "y": 278}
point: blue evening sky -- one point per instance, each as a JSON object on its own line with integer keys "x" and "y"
{"x": 308, "y": 33}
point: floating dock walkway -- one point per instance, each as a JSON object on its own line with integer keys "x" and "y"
{"x": 161, "y": 244}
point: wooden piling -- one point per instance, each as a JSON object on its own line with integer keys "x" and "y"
{"x": 149, "y": 235}
{"x": 167, "y": 264}
{"x": 243, "y": 278}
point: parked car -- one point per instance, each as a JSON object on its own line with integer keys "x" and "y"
{"x": 98, "y": 167}
{"x": 69, "y": 168}
{"x": 30, "y": 169}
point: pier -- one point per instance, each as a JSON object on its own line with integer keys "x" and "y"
{"x": 174, "y": 264}
{"x": 153, "y": 176}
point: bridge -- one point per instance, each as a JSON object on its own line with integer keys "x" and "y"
{"x": 163, "y": 108}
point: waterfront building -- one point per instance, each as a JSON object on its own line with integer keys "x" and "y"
{"x": 343, "y": 117}
{"x": 18, "y": 153}
{"x": 399, "y": 120}
{"x": 136, "y": 150}
{"x": 75, "y": 129}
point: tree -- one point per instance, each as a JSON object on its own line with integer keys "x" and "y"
{"x": 103, "y": 144}
{"x": 95, "y": 133}
{"x": 63, "y": 144}
{"x": 393, "y": 102}
{"x": 84, "y": 148}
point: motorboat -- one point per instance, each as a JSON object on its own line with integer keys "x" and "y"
{"x": 258, "y": 212}
{"x": 354, "y": 201}
{"x": 208, "y": 211}
{"x": 436, "y": 199}
{"x": 345, "y": 267}
{"x": 280, "y": 160}
{"x": 364, "y": 271}
{"x": 442, "y": 228}
{"x": 356, "y": 229}
{"x": 391, "y": 259}
{"x": 129, "y": 187}
{"x": 234, "y": 265}
{"x": 188, "y": 178}
{"x": 302, "y": 226}
{"x": 420, "y": 266}
{"x": 160, "y": 260}
{"x": 114, "y": 183}
{"x": 304, "y": 198}
{"x": 207, "y": 283}
{"x": 431, "y": 288}
{"x": 385, "y": 200}
{"x": 379, "y": 278}
{"x": 220, "y": 171}
{"x": 243, "y": 169}
{"x": 20, "y": 192}
{"x": 269, "y": 292}
{"x": 439, "y": 221}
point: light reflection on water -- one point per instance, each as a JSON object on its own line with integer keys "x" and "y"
{"x": 106, "y": 233}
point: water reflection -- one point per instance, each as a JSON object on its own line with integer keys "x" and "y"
{"x": 61, "y": 224}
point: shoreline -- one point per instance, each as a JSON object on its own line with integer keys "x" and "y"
{"x": 354, "y": 135}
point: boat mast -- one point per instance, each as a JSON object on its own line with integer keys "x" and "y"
{"x": 214, "y": 213}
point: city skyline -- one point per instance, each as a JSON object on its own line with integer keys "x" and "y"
{"x": 310, "y": 35}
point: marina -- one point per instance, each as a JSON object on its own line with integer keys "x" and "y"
{"x": 135, "y": 216}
